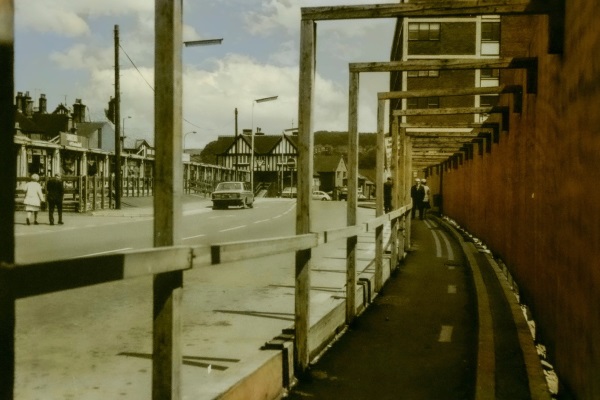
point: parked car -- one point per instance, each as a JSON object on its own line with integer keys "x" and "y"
{"x": 318, "y": 195}
{"x": 232, "y": 194}
{"x": 343, "y": 194}
{"x": 289, "y": 192}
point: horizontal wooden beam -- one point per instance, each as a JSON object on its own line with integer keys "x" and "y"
{"x": 530, "y": 64}
{"x": 55, "y": 276}
{"x": 437, "y": 125}
{"x": 445, "y": 64}
{"x": 235, "y": 251}
{"x": 434, "y": 153}
{"x": 426, "y": 9}
{"x": 450, "y": 111}
{"x": 341, "y": 233}
{"x": 408, "y": 94}
{"x": 437, "y": 147}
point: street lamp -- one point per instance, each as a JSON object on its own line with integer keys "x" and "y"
{"x": 184, "y": 136}
{"x": 261, "y": 100}
{"x": 205, "y": 42}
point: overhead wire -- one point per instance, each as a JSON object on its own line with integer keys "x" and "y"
{"x": 152, "y": 88}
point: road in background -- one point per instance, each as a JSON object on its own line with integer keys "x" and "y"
{"x": 96, "y": 342}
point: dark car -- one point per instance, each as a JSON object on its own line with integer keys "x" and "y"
{"x": 232, "y": 194}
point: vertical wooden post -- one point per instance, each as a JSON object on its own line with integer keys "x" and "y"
{"x": 403, "y": 192}
{"x": 168, "y": 287}
{"x": 102, "y": 191}
{"x": 379, "y": 168}
{"x": 94, "y": 191}
{"x": 397, "y": 188}
{"x": 379, "y": 172}
{"x": 407, "y": 162}
{"x": 305, "y": 168}
{"x": 82, "y": 202}
{"x": 352, "y": 195}
{"x": 8, "y": 174}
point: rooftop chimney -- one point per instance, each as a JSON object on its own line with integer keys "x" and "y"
{"x": 42, "y": 104}
{"x": 78, "y": 111}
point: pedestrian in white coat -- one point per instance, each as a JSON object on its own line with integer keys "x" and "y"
{"x": 33, "y": 198}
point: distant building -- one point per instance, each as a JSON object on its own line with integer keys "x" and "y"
{"x": 275, "y": 158}
{"x": 445, "y": 38}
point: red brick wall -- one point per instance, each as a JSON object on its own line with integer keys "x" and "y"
{"x": 535, "y": 199}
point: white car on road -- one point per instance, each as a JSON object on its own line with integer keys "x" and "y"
{"x": 319, "y": 195}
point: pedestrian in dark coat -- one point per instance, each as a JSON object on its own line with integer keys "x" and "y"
{"x": 417, "y": 193}
{"x": 54, "y": 193}
{"x": 387, "y": 195}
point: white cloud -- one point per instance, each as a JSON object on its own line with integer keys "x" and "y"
{"x": 257, "y": 60}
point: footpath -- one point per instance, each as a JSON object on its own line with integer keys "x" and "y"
{"x": 445, "y": 326}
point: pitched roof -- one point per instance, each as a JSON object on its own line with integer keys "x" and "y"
{"x": 222, "y": 144}
{"x": 52, "y": 124}
{"x": 326, "y": 162}
{"x": 26, "y": 124}
{"x": 87, "y": 128}
{"x": 263, "y": 144}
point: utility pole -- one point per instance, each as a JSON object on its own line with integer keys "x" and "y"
{"x": 236, "y": 145}
{"x": 117, "y": 124}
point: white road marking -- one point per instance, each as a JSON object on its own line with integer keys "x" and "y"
{"x": 193, "y": 237}
{"x": 222, "y": 216}
{"x": 451, "y": 289}
{"x": 262, "y": 220}
{"x": 104, "y": 252}
{"x": 446, "y": 334}
{"x": 448, "y": 246}
{"x": 234, "y": 228}
{"x": 438, "y": 245}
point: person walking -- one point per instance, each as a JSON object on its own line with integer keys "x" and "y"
{"x": 417, "y": 193}
{"x": 425, "y": 203}
{"x": 33, "y": 198}
{"x": 54, "y": 193}
{"x": 387, "y": 195}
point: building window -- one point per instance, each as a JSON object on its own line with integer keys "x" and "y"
{"x": 424, "y": 74}
{"x": 423, "y": 31}
{"x": 488, "y": 100}
{"x": 490, "y": 38}
{"x": 490, "y": 31}
{"x": 489, "y": 77}
{"x": 489, "y": 73}
{"x": 423, "y": 102}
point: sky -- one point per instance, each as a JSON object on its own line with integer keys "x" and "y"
{"x": 65, "y": 49}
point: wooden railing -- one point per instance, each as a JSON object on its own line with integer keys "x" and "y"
{"x": 26, "y": 280}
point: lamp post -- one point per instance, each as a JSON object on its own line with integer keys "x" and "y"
{"x": 261, "y": 100}
{"x": 184, "y": 136}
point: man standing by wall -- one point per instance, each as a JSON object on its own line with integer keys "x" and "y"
{"x": 55, "y": 192}
{"x": 387, "y": 195}
{"x": 417, "y": 193}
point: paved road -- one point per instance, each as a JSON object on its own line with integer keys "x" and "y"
{"x": 95, "y": 343}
